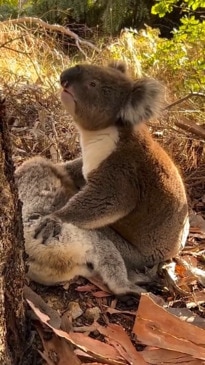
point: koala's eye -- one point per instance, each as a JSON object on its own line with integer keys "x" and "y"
{"x": 93, "y": 83}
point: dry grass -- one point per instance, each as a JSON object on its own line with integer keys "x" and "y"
{"x": 30, "y": 55}
{"x": 31, "y": 61}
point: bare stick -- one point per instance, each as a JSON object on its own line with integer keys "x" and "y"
{"x": 187, "y": 125}
{"x": 53, "y": 27}
{"x": 15, "y": 50}
{"x": 185, "y": 98}
{"x": 190, "y": 127}
{"x": 10, "y": 40}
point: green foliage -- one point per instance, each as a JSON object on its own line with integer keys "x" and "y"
{"x": 185, "y": 52}
{"x": 111, "y": 15}
{"x": 8, "y": 9}
{"x": 58, "y": 10}
{"x": 180, "y": 61}
{"x": 166, "y": 6}
{"x": 114, "y": 14}
{"x": 51, "y": 10}
{"x": 119, "y": 13}
{"x": 13, "y": 8}
{"x": 163, "y": 7}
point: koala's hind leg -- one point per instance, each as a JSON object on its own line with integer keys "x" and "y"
{"x": 140, "y": 278}
{"x": 111, "y": 267}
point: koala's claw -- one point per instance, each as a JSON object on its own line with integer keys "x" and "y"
{"x": 48, "y": 227}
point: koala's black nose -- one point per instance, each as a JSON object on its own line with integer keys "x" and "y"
{"x": 70, "y": 75}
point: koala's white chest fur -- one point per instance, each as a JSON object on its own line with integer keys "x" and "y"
{"x": 97, "y": 146}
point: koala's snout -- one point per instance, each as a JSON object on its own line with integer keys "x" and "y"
{"x": 67, "y": 79}
{"x": 69, "y": 75}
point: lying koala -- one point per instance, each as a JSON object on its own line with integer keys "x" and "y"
{"x": 45, "y": 187}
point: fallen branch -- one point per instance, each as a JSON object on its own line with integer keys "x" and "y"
{"x": 187, "y": 125}
{"x": 191, "y": 127}
{"x": 55, "y": 28}
{"x": 188, "y": 96}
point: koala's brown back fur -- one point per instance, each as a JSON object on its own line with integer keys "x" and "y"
{"x": 131, "y": 182}
{"x": 158, "y": 225}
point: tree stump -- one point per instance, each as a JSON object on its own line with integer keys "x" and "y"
{"x": 12, "y": 318}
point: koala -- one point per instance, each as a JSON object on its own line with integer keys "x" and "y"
{"x": 130, "y": 182}
{"x": 45, "y": 187}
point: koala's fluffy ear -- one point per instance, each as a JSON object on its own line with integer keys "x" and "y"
{"x": 119, "y": 65}
{"x": 144, "y": 102}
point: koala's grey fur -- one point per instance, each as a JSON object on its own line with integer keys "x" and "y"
{"x": 73, "y": 251}
{"x": 130, "y": 181}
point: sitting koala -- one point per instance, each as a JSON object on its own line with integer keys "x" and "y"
{"x": 45, "y": 187}
{"x": 131, "y": 184}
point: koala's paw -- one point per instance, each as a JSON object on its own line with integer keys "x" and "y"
{"x": 49, "y": 226}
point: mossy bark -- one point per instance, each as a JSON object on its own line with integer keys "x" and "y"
{"x": 12, "y": 316}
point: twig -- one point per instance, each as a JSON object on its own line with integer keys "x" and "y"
{"x": 53, "y": 27}
{"x": 56, "y": 144}
{"x": 185, "y": 98}
{"x": 10, "y": 40}
{"x": 15, "y": 50}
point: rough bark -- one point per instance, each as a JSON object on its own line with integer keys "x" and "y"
{"x": 12, "y": 319}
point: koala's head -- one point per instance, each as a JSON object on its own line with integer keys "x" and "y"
{"x": 98, "y": 97}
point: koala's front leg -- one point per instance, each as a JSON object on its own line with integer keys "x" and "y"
{"x": 97, "y": 205}
{"x": 74, "y": 169}
{"x": 94, "y": 206}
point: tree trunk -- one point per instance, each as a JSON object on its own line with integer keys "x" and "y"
{"x": 12, "y": 318}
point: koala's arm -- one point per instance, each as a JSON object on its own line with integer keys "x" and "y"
{"x": 102, "y": 201}
{"x": 74, "y": 170}
{"x": 97, "y": 205}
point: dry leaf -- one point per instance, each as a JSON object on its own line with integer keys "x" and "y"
{"x": 180, "y": 270}
{"x": 54, "y": 317}
{"x": 117, "y": 311}
{"x": 99, "y": 284}
{"x": 63, "y": 350}
{"x": 167, "y": 357}
{"x": 101, "y": 294}
{"x": 118, "y": 334}
{"x": 86, "y": 288}
{"x": 45, "y": 356}
{"x": 97, "y": 349}
{"x": 154, "y": 326}
{"x": 59, "y": 349}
